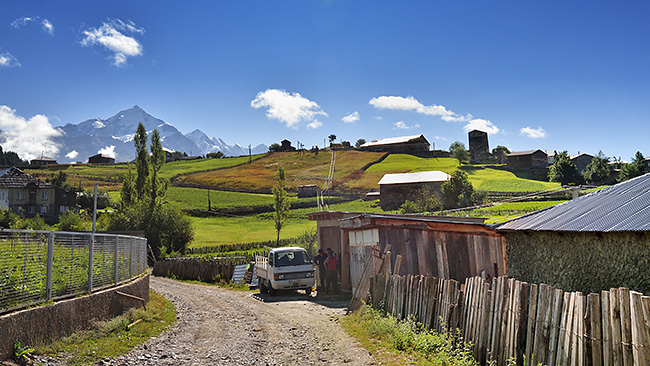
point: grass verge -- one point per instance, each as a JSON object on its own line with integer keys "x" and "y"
{"x": 394, "y": 342}
{"x": 111, "y": 338}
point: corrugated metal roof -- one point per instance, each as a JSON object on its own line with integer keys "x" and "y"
{"x": 621, "y": 207}
{"x": 417, "y": 177}
{"x": 391, "y": 140}
{"x": 417, "y": 217}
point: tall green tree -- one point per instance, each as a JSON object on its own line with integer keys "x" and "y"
{"x": 281, "y": 203}
{"x": 458, "y": 151}
{"x": 563, "y": 169}
{"x": 158, "y": 187}
{"x": 597, "y": 171}
{"x": 634, "y": 169}
{"x": 142, "y": 162}
{"x": 459, "y": 192}
{"x": 128, "y": 188}
{"x": 359, "y": 143}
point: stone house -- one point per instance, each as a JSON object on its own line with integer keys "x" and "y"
{"x": 591, "y": 243}
{"x": 581, "y": 161}
{"x": 523, "y": 160}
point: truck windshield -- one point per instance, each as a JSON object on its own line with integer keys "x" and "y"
{"x": 296, "y": 258}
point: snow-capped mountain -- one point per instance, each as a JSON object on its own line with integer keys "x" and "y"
{"x": 214, "y": 144}
{"x": 114, "y": 136}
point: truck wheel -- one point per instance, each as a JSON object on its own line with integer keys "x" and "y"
{"x": 308, "y": 291}
{"x": 272, "y": 291}
{"x": 263, "y": 288}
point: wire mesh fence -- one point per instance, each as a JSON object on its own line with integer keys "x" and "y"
{"x": 37, "y": 266}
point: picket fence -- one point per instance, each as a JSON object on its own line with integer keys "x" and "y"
{"x": 509, "y": 319}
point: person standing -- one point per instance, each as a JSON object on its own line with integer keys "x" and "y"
{"x": 322, "y": 271}
{"x": 332, "y": 273}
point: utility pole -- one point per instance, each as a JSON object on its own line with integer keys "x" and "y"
{"x": 250, "y": 158}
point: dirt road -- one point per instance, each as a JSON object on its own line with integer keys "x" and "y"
{"x": 223, "y": 327}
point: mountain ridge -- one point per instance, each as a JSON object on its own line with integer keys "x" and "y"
{"x": 114, "y": 136}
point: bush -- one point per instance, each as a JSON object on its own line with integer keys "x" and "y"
{"x": 75, "y": 221}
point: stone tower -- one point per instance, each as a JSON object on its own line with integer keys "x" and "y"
{"x": 479, "y": 149}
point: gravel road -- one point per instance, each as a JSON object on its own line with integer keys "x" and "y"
{"x": 216, "y": 326}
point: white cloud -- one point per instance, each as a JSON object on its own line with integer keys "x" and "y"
{"x": 403, "y": 126}
{"x": 8, "y": 60}
{"x": 412, "y": 104}
{"x": 48, "y": 27}
{"x": 111, "y": 37}
{"x": 440, "y": 138}
{"x": 481, "y": 125}
{"x": 315, "y": 124}
{"x": 29, "y": 138}
{"x": 351, "y": 118}
{"x": 379, "y": 118}
{"x": 533, "y": 133}
{"x": 21, "y": 22}
{"x": 290, "y": 108}
{"x": 108, "y": 151}
{"x": 72, "y": 154}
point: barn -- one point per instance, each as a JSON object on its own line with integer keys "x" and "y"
{"x": 445, "y": 247}
{"x": 402, "y": 145}
{"x": 101, "y": 159}
{"x": 591, "y": 243}
{"x": 395, "y": 189}
{"x": 522, "y": 160}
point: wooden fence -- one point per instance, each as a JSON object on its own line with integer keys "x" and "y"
{"x": 197, "y": 268}
{"x": 510, "y": 319}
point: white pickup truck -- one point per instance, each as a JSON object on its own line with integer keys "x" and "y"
{"x": 285, "y": 268}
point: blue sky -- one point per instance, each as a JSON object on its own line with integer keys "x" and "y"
{"x": 535, "y": 74}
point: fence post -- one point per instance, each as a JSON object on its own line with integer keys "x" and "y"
{"x": 115, "y": 247}
{"x": 90, "y": 262}
{"x": 131, "y": 258}
{"x": 50, "y": 260}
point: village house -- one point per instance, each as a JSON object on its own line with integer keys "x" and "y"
{"x": 400, "y": 145}
{"x": 581, "y": 161}
{"x": 26, "y": 195}
{"x": 395, "y": 189}
{"x": 591, "y": 243}
{"x": 444, "y": 247}
{"x": 101, "y": 159}
{"x": 524, "y": 160}
{"x": 42, "y": 160}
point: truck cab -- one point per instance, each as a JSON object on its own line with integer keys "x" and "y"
{"x": 285, "y": 268}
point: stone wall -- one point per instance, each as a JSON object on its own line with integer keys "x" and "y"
{"x": 61, "y": 319}
{"x": 580, "y": 261}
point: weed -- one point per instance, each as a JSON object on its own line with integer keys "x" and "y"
{"x": 21, "y": 353}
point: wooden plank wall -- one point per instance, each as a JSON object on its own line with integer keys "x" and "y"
{"x": 534, "y": 324}
{"x": 445, "y": 254}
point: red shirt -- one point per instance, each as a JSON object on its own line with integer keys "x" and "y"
{"x": 330, "y": 262}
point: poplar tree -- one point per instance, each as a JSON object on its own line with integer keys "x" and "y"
{"x": 142, "y": 162}
{"x": 281, "y": 203}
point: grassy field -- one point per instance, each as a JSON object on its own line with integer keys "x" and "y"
{"x": 300, "y": 168}
{"x": 508, "y": 211}
{"x": 219, "y": 230}
{"x": 110, "y": 176}
{"x": 197, "y": 198}
{"x": 401, "y": 163}
{"x": 490, "y": 179}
